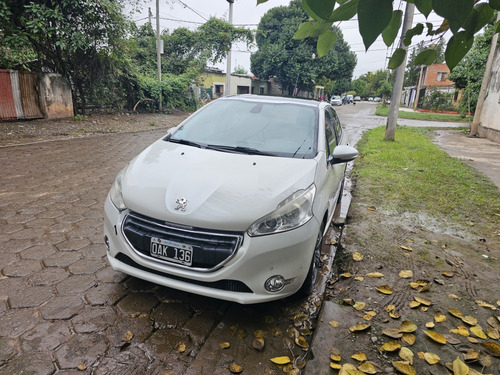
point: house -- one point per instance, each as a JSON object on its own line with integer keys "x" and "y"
{"x": 214, "y": 82}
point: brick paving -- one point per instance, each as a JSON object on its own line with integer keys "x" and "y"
{"x": 64, "y": 310}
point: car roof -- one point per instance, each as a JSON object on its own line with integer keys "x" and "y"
{"x": 276, "y": 100}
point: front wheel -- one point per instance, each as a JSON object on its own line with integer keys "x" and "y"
{"x": 312, "y": 275}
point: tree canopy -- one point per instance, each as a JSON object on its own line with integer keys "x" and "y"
{"x": 412, "y": 71}
{"x": 373, "y": 84}
{"x": 464, "y": 18}
{"x": 293, "y": 62}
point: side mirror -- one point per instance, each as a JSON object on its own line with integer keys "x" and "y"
{"x": 342, "y": 154}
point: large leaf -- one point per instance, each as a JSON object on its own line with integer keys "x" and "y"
{"x": 495, "y": 4}
{"x": 321, "y": 8}
{"x": 458, "y": 46}
{"x": 424, "y": 6}
{"x": 312, "y": 29}
{"x": 417, "y": 30}
{"x": 397, "y": 58}
{"x": 373, "y": 18}
{"x": 455, "y": 11}
{"x": 391, "y": 31}
{"x": 345, "y": 11}
{"x": 480, "y": 16}
{"x": 261, "y": 1}
{"x": 325, "y": 42}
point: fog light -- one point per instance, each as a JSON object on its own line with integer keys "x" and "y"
{"x": 106, "y": 242}
{"x": 275, "y": 283}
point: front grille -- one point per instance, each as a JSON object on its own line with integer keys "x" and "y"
{"x": 228, "y": 285}
{"x": 210, "y": 249}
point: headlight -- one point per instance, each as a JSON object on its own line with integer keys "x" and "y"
{"x": 115, "y": 194}
{"x": 293, "y": 212}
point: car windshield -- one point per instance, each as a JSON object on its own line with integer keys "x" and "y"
{"x": 253, "y": 127}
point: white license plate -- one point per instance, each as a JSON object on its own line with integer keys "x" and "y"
{"x": 171, "y": 251}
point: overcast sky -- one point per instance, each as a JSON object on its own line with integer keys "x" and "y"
{"x": 192, "y": 13}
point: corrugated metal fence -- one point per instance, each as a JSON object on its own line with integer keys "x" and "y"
{"x": 19, "y": 95}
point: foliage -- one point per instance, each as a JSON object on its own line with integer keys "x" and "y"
{"x": 429, "y": 116}
{"x": 374, "y": 84}
{"x": 463, "y": 18}
{"x": 468, "y": 74}
{"x": 438, "y": 101}
{"x": 240, "y": 70}
{"x": 293, "y": 62}
{"x": 412, "y": 71}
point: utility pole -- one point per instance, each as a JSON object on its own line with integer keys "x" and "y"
{"x": 397, "y": 87}
{"x": 149, "y": 15}
{"x": 484, "y": 84}
{"x": 227, "y": 91}
{"x": 158, "y": 51}
{"x": 417, "y": 94}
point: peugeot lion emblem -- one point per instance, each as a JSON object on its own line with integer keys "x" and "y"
{"x": 181, "y": 204}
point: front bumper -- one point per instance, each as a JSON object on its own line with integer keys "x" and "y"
{"x": 287, "y": 254}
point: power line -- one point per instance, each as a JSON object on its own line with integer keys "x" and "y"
{"x": 191, "y": 9}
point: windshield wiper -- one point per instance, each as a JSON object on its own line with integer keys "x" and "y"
{"x": 240, "y": 150}
{"x": 185, "y": 142}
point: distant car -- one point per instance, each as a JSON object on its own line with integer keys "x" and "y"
{"x": 370, "y": 99}
{"x": 376, "y": 99}
{"x": 357, "y": 98}
{"x": 234, "y": 202}
{"x": 336, "y": 100}
{"x": 349, "y": 98}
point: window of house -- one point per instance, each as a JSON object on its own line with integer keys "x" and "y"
{"x": 441, "y": 77}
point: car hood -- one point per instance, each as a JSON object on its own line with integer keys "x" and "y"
{"x": 225, "y": 191}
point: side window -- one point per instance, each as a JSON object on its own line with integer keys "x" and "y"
{"x": 331, "y": 139}
{"x": 338, "y": 127}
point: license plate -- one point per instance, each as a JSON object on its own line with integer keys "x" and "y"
{"x": 171, "y": 251}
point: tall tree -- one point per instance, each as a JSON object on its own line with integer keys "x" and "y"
{"x": 413, "y": 69}
{"x": 293, "y": 62}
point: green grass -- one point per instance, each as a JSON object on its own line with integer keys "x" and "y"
{"x": 411, "y": 174}
{"x": 429, "y": 116}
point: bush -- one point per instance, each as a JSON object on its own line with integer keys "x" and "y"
{"x": 438, "y": 101}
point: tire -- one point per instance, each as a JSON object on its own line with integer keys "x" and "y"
{"x": 312, "y": 275}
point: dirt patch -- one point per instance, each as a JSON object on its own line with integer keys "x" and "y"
{"x": 32, "y": 131}
{"x": 451, "y": 268}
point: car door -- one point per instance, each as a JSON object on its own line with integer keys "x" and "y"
{"x": 335, "y": 173}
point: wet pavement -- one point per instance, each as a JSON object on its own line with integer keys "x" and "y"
{"x": 64, "y": 310}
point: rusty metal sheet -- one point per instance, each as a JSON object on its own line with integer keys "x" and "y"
{"x": 28, "y": 83}
{"x": 7, "y": 106}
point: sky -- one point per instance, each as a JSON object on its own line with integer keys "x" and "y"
{"x": 192, "y": 13}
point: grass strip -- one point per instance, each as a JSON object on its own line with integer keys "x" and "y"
{"x": 428, "y": 116}
{"x": 411, "y": 174}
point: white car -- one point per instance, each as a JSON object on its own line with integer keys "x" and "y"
{"x": 336, "y": 100}
{"x": 234, "y": 202}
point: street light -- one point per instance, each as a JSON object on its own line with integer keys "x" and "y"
{"x": 227, "y": 91}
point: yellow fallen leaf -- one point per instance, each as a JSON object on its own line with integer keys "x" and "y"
{"x": 471, "y": 355}
{"x": 407, "y": 327}
{"x": 439, "y": 318}
{"x": 283, "y": 360}
{"x": 335, "y": 355}
{"x": 235, "y": 368}
{"x": 128, "y": 336}
{"x": 406, "y": 355}
{"x": 460, "y": 368}
{"x": 359, "y": 278}
{"x": 367, "y": 317}
{"x": 437, "y": 337}
{"x": 414, "y": 304}
{"x": 493, "y": 333}
{"x": 180, "y": 347}
{"x": 357, "y": 256}
{"x": 406, "y": 274}
{"x": 82, "y": 367}
{"x": 453, "y": 297}
{"x": 485, "y": 304}
{"x": 470, "y": 320}
{"x": 259, "y": 344}
{"x": 414, "y": 285}
{"x": 456, "y": 313}
{"x": 478, "y": 332}
{"x": 349, "y": 369}
{"x": 371, "y": 313}
{"x": 345, "y": 275}
{"x": 493, "y": 322}
{"x": 407, "y": 248}
{"x": 408, "y": 338}
{"x": 359, "y": 305}
{"x": 423, "y": 301}
{"x": 404, "y": 367}
{"x": 302, "y": 342}
{"x": 492, "y": 347}
{"x": 424, "y": 308}
{"x": 372, "y": 208}
{"x": 390, "y": 308}
{"x": 224, "y": 345}
{"x": 431, "y": 358}
{"x": 430, "y": 325}
{"x": 394, "y": 315}
{"x": 392, "y": 332}
{"x": 374, "y": 274}
{"x": 334, "y": 323}
{"x": 367, "y": 368}
{"x": 390, "y": 346}
{"x": 359, "y": 327}
{"x": 385, "y": 289}
{"x": 359, "y": 356}
{"x": 461, "y": 330}
{"x": 448, "y": 273}
{"x": 472, "y": 340}
{"x": 335, "y": 366}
